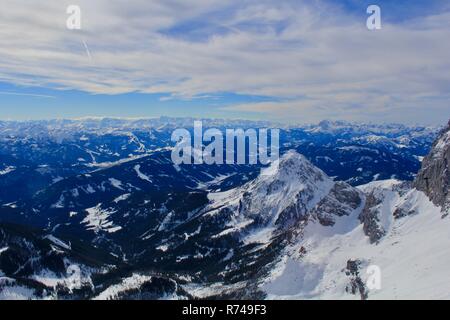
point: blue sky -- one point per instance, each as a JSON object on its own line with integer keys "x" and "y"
{"x": 43, "y": 103}
{"x": 292, "y": 61}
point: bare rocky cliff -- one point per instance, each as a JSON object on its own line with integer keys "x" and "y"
{"x": 434, "y": 177}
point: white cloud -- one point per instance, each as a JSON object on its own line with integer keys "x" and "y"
{"x": 9, "y": 93}
{"x": 318, "y": 60}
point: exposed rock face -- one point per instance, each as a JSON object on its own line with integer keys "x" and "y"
{"x": 434, "y": 177}
{"x": 356, "y": 285}
{"x": 370, "y": 220}
{"x": 382, "y": 199}
{"x": 341, "y": 201}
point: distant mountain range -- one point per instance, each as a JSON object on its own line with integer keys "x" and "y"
{"x": 96, "y": 209}
{"x": 37, "y": 154}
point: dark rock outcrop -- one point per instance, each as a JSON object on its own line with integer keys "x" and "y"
{"x": 341, "y": 201}
{"x": 434, "y": 177}
{"x": 356, "y": 285}
{"x": 370, "y": 220}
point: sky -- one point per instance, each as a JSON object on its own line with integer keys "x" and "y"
{"x": 285, "y": 60}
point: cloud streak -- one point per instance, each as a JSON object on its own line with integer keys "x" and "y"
{"x": 8, "y": 93}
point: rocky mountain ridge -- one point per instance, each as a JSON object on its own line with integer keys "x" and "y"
{"x": 434, "y": 177}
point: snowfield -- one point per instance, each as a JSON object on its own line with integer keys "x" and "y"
{"x": 142, "y": 176}
{"x": 97, "y": 220}
{"x": 7, "y": 170}
{"x": 132, "y": 282}
{"x": 15, "y": 292}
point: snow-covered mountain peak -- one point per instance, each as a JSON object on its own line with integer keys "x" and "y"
{"x": 292, "y": 191}
{"x": 294, "y": 182}
{"x": 292, "y": 168}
